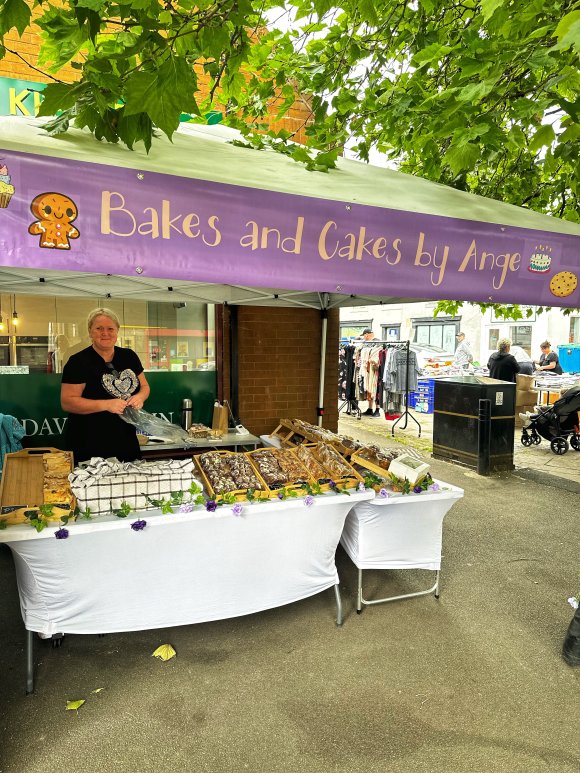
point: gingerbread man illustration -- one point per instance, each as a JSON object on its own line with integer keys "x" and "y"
{"x": 55, "y": 213}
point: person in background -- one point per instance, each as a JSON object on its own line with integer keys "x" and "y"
{"x": 523, "y": 359}
{"x": 98, "y": 383}
{"x": 502, "y": 365}
{"x": 549, "y": 360}
{"x": 373, "y": 410}
{"x": 463, "y": 356}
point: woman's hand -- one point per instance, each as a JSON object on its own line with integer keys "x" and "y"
{"x": 115, "y": 406}
{"x": 135, "y": 401}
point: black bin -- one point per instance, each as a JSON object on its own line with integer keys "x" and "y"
{"x": 470, "y": 432}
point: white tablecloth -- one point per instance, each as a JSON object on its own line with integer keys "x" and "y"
{"x": 182, "y": 568}
{"x": 399, "y": 532}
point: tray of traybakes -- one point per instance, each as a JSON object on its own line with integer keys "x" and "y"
{"x": 33, "y": 478}
{"x": 374, "y": 459}
{"x": 280, "y": 468}
{"x": 293, "y": 432}
{"x": 227, "y": 472}
{"x": 327, "y": 465}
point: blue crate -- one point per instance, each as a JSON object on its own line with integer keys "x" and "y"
{"x": 569, "y": 358}
{"x": 425, "y": 403}
{"x": 412, "y": 399}
{"x": 426, "y": 382}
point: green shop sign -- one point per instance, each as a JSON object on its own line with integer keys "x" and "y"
{"x": 34, "y": 400}
{"x": 20, "y": 97}
{"x": 24, "y": 98}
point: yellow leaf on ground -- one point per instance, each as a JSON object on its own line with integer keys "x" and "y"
{"x": 74, "y": 705}
{"x": 165, "y": 652}
{"x": 98, "y": 690}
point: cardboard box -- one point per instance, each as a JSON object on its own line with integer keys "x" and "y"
{"x": 524, "y": 382}
{"x": 22, "y": 490}
{"x": 525, "y": 397}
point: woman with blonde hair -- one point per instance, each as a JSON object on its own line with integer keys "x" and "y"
{"x": 503, "y": 365}
{"x": 98, "y": 383}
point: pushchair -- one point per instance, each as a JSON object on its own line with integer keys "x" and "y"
{"x": 558, "y": 423}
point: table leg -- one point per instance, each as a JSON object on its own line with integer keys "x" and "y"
{"x": 338, "y": 604}
{"x": 29, "y": 662}
{"x": 360, "y": 600}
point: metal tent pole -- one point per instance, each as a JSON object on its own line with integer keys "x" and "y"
{"x": 322, "y": 366}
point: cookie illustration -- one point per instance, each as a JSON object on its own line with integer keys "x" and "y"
{"x": 55, "y": 213}
{"x": 563, "y": 284}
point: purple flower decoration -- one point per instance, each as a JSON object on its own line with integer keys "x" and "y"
{"x": 280, "y": 495}
{"x": 61, "y": 533}
{"x": 434, "y": 487}
{"x": 383, "y": 493}
{"x": 309, "y": 500}
{"x": 186, "y": 507}
{"x": 362, "y": 487}
{"x": 331, "y": 484}
{"x": 138, "y": 525}
{"x": 237, "y": 509}
{"x": 211, "y": 505}
{"x": 417, "y": 489}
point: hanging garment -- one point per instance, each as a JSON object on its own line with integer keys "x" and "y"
{"x": 11, "y": 433}
{"x": 373, "y": 373}
{"x": 403, "y": 379}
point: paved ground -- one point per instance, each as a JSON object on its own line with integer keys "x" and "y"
{"x": 471, "y": 683}
{"x": 535, "y": 462}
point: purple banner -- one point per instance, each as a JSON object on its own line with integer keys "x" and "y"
{"x": 77, "y": 216}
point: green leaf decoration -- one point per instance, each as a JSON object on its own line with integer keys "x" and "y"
{"x": 123, "y": 511}
{"x": 74, "y": 705}
{"x": 14, "y": 13}
{"x": 164, "y": 652}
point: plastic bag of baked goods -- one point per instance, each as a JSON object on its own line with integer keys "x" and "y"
{"x": 148, "y": 424}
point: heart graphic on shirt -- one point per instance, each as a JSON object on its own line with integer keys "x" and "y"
{"x": 122, "y": 386}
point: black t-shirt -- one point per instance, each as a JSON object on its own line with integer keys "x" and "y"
{"x": 546, "y": 359}
{"x": 103, "y": 433}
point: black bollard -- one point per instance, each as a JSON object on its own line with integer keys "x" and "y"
{"x": 571, "y": 648}
{"x": 484, "y": 437}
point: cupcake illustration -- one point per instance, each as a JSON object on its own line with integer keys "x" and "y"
{"x": 6, "y": 187}
{"x": 541, "y": 260}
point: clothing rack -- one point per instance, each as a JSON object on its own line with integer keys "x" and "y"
{"x": 353, "y": 403}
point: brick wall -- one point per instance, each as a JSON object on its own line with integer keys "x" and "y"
{"x": 279, "y": 366}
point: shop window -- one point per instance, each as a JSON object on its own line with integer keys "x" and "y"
{"x": 574, "y": 337}
{"x": 353, "y": 329}
{"x": 166, "y": 336}
{"x": 391, "y": 332}
{"x": 493, "y": 337}
{"x": 439, "y": 333}
{"x": 521, "y": 335}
